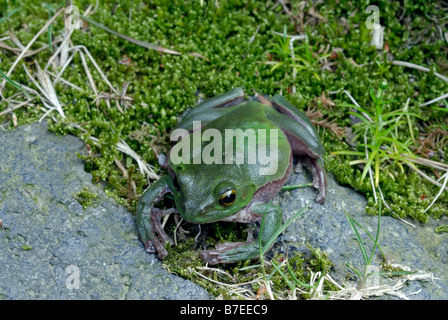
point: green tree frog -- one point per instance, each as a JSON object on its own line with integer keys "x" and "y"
{"x": 231, "y": 157}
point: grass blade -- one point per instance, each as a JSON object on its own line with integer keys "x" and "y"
{"x": 274, "y": 237}
{"x": 375, "y": 243}
{"x": 135, "y": 41}
{"x": 290, "y": 285}
{"x": 297, "y": 281}
{"x": 358, "y": 238}
{"x": 293, "y": 187}
{"x": 348, "y": 153}
{"x": 354, "y": 270}
{"x": 368, "y": 164}
{"x": 9, "y": 14}
{"x": 369, "y": 234}
{"x": 10, "y": 81}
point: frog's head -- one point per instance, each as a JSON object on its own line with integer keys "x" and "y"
{"x": 208, "y": 193}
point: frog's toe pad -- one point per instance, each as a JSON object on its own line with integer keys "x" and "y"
{"x": 149, "y": 247}
{"x": 320, "y": 199}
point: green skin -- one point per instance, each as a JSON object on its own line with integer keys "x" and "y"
{"x": 198, "y": 188}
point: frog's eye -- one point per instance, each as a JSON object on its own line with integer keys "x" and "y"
{"x": 227, "y": 198}
{"x": 176, "y": 183}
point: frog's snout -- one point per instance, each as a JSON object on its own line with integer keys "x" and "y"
{"x": 193, "y": 213}
{"x": 189, "y": 211}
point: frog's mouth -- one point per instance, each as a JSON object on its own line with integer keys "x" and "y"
{"x": 199, "y": 217}
{"x": 203, "y": 215}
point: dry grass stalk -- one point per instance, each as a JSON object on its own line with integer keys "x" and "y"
{"x": 24, "y": 51}
{"x": 29, "y": 53}
{"x": 331, "y": 126}
{"x": 50, "y": 101}
{"x": 17, "y": 106}
{"x": 317, "y": 280}
{"x": 45, "y": 86}
{"x": 145, "y": 168}
{"x": 122, "y": 146}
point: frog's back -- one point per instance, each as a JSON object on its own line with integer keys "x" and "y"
{"x": 272, "y": 148}
{"x": 250, "y": 115}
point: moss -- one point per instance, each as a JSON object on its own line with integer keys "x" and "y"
{"x": 391, "y": 271}
{"x": 441, "y": 229}
{"x": 184, "y": 261}
{"x": 85, "y": 197}
{"x": 26, "y": 247}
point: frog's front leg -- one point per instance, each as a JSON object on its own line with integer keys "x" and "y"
{"x": 230, "y": 252}
{"x": 148, "y": 218}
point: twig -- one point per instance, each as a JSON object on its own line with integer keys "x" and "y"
{"x": 175, "y": 230}
{"x": 28, "y": 53}
{"x": 47, "y": 90}
{"x": 63, "y": 48}
{"x": 16, "y": 40}
{"x": 74, "y": 86}
{"x": 440, "y": 192}
{"x": 287, "y": 11}
{"x": 89, "y": 75}
{"x": 426, "y": 162}
{"x": 124, "y": 147}
{"x": 144, "y": 167}
{"x": 356, "y": 104}
{"x": 17, "y": 106}
{"x": 388, "y": 207}
{"x": 122, "y": 169}
{"x": 424, "y": 175}
{"x": 96, "y": 66}
{"x": 47, "y": 113}
{"x": 255, "y": 33}
{"x": 63, "y": 45}
{"x": 216, "y": 270}
{"x": 419, "y": 68}
{"x": 435, "y": 100}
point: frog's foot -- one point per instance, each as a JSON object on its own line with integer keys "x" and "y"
{"x": 229, "y": 252}
{"x": 237, "y": 251}
{"x": 155, "y": 242}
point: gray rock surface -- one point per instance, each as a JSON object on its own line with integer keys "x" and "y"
{"x": 48, "y": 241}
{"x": 326, "y": 227}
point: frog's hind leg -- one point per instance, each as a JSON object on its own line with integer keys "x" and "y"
{"x": 236, "y": 251}
{"x": 212, "y": 108}
{"x": 284, "y": 107}
{"x": 313, "y": 161}
{"x": 309, "y": 157}
{"x": 303, "y": 139}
